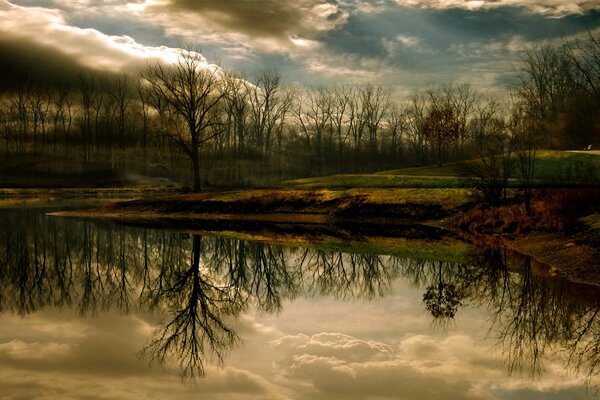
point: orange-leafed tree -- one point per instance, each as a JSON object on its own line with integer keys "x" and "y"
{"x": 441, "y": 127}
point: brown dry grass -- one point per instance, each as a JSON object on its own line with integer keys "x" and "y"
{"x": 552, "y": 210}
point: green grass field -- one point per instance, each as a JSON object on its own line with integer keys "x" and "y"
{"x": 551, "y": 166}
{"x": 376, "y": 181}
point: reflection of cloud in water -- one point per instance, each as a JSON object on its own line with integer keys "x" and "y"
{"x": 102, "y": 364}
{"x": 420, "y": 367}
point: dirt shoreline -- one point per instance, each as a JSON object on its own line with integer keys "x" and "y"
{"x": 577, "y": 262}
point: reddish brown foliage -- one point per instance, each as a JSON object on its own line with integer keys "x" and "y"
{"x": 441, "y": 126}
{"x": 552, "y": 209}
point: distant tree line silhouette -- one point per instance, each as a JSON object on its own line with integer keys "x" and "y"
{"x": 240, "y": 131}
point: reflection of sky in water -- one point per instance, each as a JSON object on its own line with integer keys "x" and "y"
{"x": 315, "y": 347}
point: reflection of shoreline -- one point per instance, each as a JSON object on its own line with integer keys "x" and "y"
{"x": 572, "y": 251}
{"x": 409, "y": 240}
{"x": 552, "y": 253}
{"x": 201, "y": 282}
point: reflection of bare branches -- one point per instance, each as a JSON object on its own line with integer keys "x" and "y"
{"x": 271, "y": 280}
{"x": 530, "y": 314}
{"x": 196, "y": 327}
{"x": 257, "y": 270}
{"x": 585, "y": 348}
{"x": 346, "y": 276}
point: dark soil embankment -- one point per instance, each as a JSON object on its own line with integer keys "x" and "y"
{"x": 274, "y": 205}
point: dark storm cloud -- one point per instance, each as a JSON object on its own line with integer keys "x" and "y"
{"x": 35, "y": 3}
{"x": 263, "y": 18}
{"x": 38, "y": 45}
{"x": 265, "y": 25}
{"x": 25, "y": 62}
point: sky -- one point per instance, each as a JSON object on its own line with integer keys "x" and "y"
{"x": 404, "y": 44}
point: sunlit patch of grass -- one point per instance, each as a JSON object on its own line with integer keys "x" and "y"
{"x": 565, "y": 165}
{"x": 450, "y": 250}
{"x": 448, "y": 197}
{"x": 375, "y": 181}
{"x": 449, "y": 169}
{"x": 274, "y": 195}
{"x": 550, "y": 165}
{"x": 592, "y": 221}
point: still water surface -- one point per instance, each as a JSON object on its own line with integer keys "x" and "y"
{"x": 97, "y": 311}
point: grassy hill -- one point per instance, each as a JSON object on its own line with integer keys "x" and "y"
{"x": 552, "y": 167}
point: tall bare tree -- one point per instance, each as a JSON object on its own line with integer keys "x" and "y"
{"x": 193, "y": 93}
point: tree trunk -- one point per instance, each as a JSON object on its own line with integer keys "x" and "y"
{"x": 196, "y": 170}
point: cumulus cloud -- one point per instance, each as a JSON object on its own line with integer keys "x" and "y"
{"x": 403, "y": 43}
{"x": 38, "y": 44}
{"x": 334, "y": 365}
{"x": 272, "y": 25}
{"x": 556, "y": 8}
{"x": 60, "y": 356}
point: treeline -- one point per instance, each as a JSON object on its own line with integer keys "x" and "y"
{"x": 239, "y": 131}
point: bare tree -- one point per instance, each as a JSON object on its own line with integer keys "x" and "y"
{"x": 237, "y": 110}
{"x": 522, "y": 130}
{"x": 375, "y": 103}
{"x": 193, "y": 93}
{"x": 396, "y": 121}
{"x": 38, "y": 104}
{"x": 341, "y": 99}
{"x": 264, "y": 102}
{"x": 5, "y": 125}
{"x": 584, "y": 55}
{"x": 119, "y": 94}
{"x": 489, "y": 174}
{"x": 20, "y": 114}
{"x": 418, "y": 113}
{"x": 313, "y": 111}
{"x": 546, "y": 89}
{"x": 145, "y": 112}
{"x": 356, "y": 123}
{"x": 463, "y": 100}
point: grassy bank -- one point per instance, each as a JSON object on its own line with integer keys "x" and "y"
{"x": 562, "y": 168}
{"x": 381, "y": 206}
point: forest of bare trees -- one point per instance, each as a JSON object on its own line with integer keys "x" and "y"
{"x": 228, "y": 129}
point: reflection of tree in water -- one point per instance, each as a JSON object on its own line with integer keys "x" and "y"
{"x": 203, "y": 283}
{"x": 345, "y": 276}
{"x": 532, "y": 314}
{"x": 197, "y": 305}
{"x": 442, "y": 299}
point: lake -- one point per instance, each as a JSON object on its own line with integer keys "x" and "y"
{"x": 101, "y": 311}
